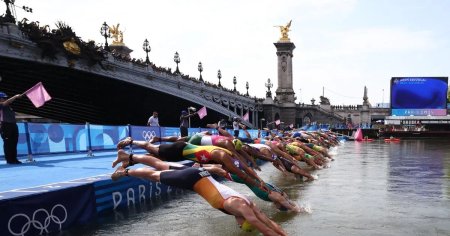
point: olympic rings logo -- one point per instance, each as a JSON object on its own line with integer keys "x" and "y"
{"x": 147, "y": 135}
{"x": 36, "y": 223}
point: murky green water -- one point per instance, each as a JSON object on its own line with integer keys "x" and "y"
{"x": 371, "y": 189}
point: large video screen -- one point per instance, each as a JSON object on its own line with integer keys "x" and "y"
{"x": 419, "y": 96}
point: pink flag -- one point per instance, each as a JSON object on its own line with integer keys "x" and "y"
{"x": 246, "y": 116}
{"x": 38, "y": 95}
{"x": 202, "y": 112}
{"x": 277, "y": 122}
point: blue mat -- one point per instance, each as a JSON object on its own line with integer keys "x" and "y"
{"x": 54, "y": 168}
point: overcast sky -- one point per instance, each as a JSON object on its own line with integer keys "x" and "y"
{"x": 341, "y": 45}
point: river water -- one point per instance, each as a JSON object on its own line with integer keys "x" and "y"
{"x": 372, "y": 188}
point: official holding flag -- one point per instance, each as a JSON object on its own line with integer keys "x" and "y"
{"x": 8, "y": 128}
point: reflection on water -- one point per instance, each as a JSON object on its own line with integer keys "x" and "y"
{"x": 371, "y": 189}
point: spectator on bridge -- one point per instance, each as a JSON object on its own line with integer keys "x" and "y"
{"x": 236, "y": 126}
{"x": 184, "y": 122}
{"x": 8, "y": 128}
{"x": 153, "y": 120}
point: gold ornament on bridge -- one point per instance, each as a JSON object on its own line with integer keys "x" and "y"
{"x": 284, "y": 31}
{"x": 117, "y": 35}
{"x": 72, "y": 47}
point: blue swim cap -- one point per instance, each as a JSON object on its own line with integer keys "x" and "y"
{"x": 3, "y": 95}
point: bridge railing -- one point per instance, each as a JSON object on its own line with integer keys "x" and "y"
{"x": 330, "y": 113}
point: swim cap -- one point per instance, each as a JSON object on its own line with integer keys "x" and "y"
{"x": 247, "y": 227}
{"x": 3, "y": 95}
{"x": 237, "y": 144}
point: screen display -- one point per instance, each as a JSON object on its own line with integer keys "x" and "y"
{"x": 419, "y": 96}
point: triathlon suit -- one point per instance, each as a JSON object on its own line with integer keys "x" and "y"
{"x": 294, "y": 150}
{"x": 306, "y": 148}
{"x": 314, "y": 147}
{"x": 260, "y": 146}
{"x": 179, "y": 151}
{"x": 207, "y": 140}
{"x": 286, "y": 163}
{"x": 200, "y": 181}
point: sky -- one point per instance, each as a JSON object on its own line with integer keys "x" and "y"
{"x": 341, "y": 45}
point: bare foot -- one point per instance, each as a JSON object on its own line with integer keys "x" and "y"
{"x": 123, "y": 157}
{"x": 124, "y": 142}
{"x": 119, "y": 173}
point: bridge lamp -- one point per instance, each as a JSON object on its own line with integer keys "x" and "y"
{"x": 146, "y": 47}
{"x": 200, "y": 69}
{"x": 176, "y": 59}
{"x": 104, "y": 31}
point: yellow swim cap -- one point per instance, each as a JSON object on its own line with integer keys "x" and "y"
{"x": 237, "y": 144}
{"x": 247, "y": 227}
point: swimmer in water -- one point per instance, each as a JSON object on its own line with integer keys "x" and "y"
{"x": 219, "y": 196}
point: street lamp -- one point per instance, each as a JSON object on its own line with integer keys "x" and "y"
{"x": 219, "y": 75}
{"x": 234, "y": 82}
{"x": 261, "y": 121}
{"x": 246, "y": 86}
{"x": 268, "y": 86}
{"x": 176, "y": 59}
{"x": 313, "y": 101}
{"x": 200, "y": 69}
{"x": 104, "y": 31}
{"x": 146, "y": 47}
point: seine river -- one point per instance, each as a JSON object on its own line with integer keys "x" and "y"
{"x": 372, "y": 188}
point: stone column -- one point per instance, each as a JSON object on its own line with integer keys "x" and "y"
{"x": 285, "y": 91}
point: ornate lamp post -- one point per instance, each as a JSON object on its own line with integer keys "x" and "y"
{"x": 200, "y": 69}
{"x": 104, "y": 31}
{"x": 268, "y": 86}
{"x": 219, "y": 75}
{"x": 234, "y": 82}
{"x": 246, "y": 86}
{"x": 313, "y": 101}
{"x": 146, "y": 47}
{"x": 176, "y": 59}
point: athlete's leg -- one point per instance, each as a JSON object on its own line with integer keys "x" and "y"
{"x": 145, "y": 159}
{"x": 142, "y": 144}
{"x": 145, "y": 173}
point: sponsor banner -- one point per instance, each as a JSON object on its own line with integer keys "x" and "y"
{"x": 170, "y": 131}
{"x": 193, "y": 131}
{"x": 57, "y": 138}
{"x": 419, "y": 112}
{"x": 53, "y": 211}
{"x": 145, "y": 132}
{"x": 212, "y": 131}
{"x": 105, "y": 137}
{"x": 129, "y": 192}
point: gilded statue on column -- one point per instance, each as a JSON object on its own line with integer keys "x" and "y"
{"x": 284, "y": 29}
{"x": 116, "y": 34}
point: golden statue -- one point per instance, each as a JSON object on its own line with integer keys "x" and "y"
{"x": 284, "y": 31}
{"x": 72, "y": 47}
{"x": 116, "y": 34}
